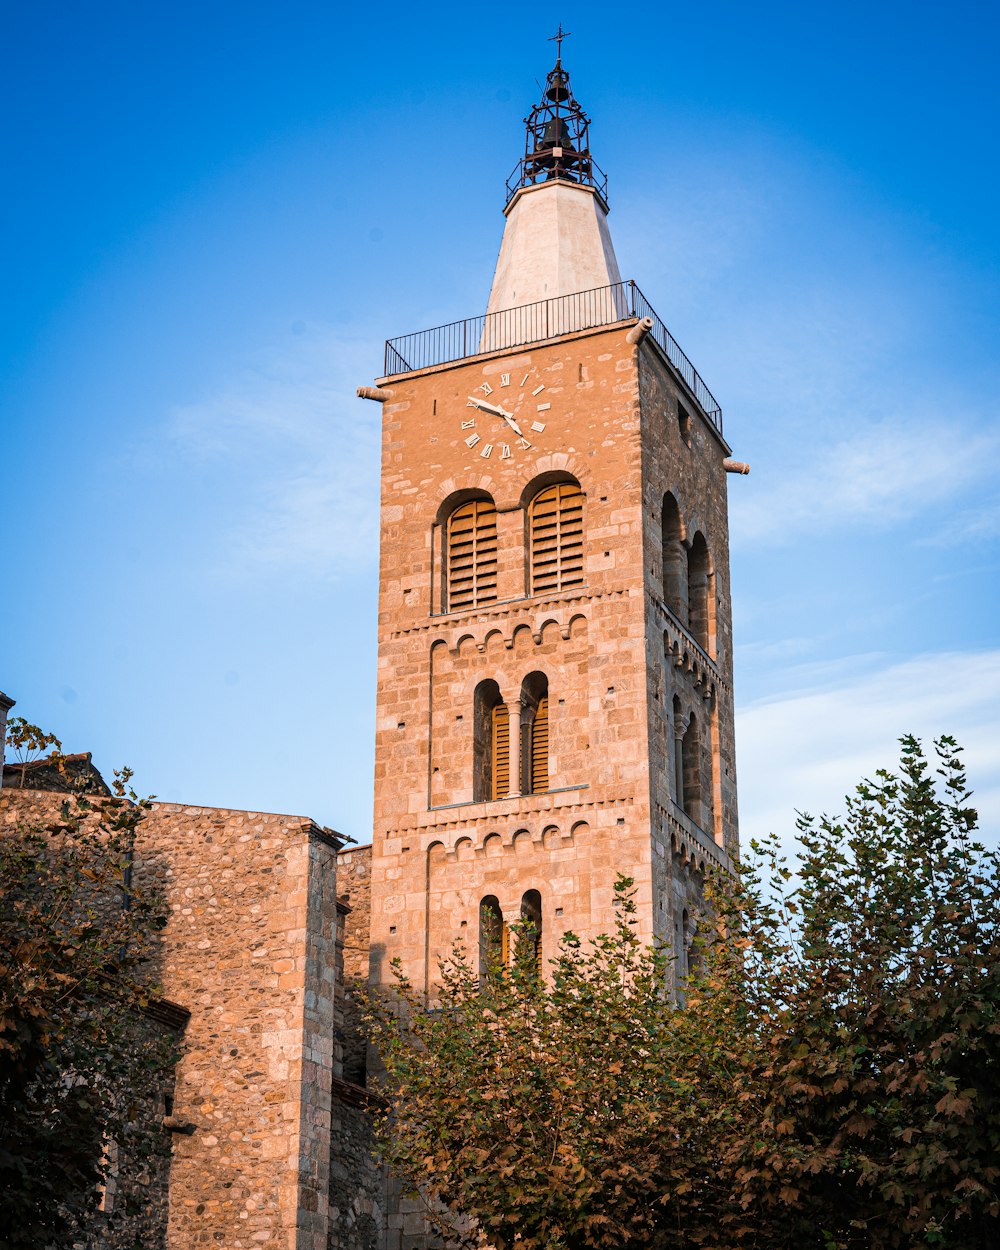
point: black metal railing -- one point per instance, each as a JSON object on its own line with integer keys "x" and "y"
{"x": 549, "y": 318}
{"x": 579, "y": 168}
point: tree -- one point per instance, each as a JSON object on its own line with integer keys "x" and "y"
{"x": 80, "y": 1062}
{"x": 28, "y": 742}
{"x": 828, "y": 1077}
{"x": 566, "y": 1113}
{"x": 873, "y": 983}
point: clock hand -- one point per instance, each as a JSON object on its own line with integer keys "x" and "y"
{"x": 496, "y": 411}
{"x": 481, "y": 403}
{"x": 511, "y": 422}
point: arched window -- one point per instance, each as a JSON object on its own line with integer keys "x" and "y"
{"x": 691, "y": 771}
{"x": 674, "y": 565}
{"x": 531, "y": 914}
{"x": 494, "y": 937}
{"x": 491, "y": 744}
{"x": 701, "y": 592}
{"x": 535, "y": 734}
{"x": 555, "y": 528}
{"x": 677, "y": 728}
{"x": 472, "y": 555}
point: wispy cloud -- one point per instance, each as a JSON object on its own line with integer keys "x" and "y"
{"x": 295, "y": 454}
{"x": 827, "y": 329}
{"x": 879, "y": 476}
{"x": 808, "y": 749}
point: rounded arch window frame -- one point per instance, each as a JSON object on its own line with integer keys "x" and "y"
{"x": 538, "y": 485}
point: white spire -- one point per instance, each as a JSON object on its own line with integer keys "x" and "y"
{"x": 556, "y": 242}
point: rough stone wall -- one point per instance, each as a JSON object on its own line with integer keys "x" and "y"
{"x": 250, "y": 949}
{"x": 281, "y": 1153}
{"x": 436, "y": 853}
{"x": 354, "y": 884}
{"x": 684, "y": 457}
{"x": 358, "y": 1214}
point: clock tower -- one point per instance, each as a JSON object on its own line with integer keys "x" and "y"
{"x": 555, "y": 647}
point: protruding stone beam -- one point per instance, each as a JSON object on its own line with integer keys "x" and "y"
{"x": 379, "y": 393}
{"x": 736, "y": 466}
{"x": 639, "y": 331}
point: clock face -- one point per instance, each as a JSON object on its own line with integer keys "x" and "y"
{"x": 506, "y": 416}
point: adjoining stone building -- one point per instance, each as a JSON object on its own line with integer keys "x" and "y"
{"x": 270, "y": 1144}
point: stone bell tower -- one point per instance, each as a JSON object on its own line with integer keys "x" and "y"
{"x": 555, "y": 646}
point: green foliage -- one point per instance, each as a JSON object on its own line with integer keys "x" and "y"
{"x": 27, "y": 742}
{"x": 875, "y": 987}
{"x": 830, "y": 1079}
{"x": 81, "y": 1067}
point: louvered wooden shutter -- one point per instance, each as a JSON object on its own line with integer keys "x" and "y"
{"x": 472, "y": 555}
{"x": 540, "y": 747}
{"x": 557, "y": 539}
{"x": 500, "y": 763}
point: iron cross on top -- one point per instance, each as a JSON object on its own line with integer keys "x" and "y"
{"x": 557, "y": 39}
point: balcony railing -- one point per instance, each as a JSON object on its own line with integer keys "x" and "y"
{"x": 530, "y": 323}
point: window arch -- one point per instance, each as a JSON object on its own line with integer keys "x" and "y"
{"x": 531, "y": 914}
{"x": 471, "y": 555}
{"x": 675, "y": 594}
{"x": 491, "y": 744}
{"x": 494, "y": 937}
{"x": 555, "y": 538}
{"x": 535, "y": 734}
{"x": 690, "y": 780}
{"x": 701, "y": 593}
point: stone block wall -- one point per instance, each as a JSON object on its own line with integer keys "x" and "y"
{"x": 438, "y": 850}
{"x": 354, "y": 885}
{"x": 683, "y": 454}
{"x": 250, "y": 948}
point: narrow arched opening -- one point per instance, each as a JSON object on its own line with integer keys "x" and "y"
{"x": 674, "y": 564}
{"x": 490, "y": 744}
{"x": 691, "y": 770}
{"x": 701, "y": 594}
{"x": 494, "y": 938}
{"x": 535, "y": 734}
{"x": 530, "y": 952}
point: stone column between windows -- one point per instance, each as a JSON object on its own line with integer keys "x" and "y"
{"x": 514, "y": 729}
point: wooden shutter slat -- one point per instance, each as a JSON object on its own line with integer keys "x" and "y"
{"x": 556, "y": 538}
{"x": 472, "y": 554}
{"x": 500, "y": 773}
{"x": 540, "y": 747}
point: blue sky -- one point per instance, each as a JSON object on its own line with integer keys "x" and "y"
{"x": 214, "y": 214}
